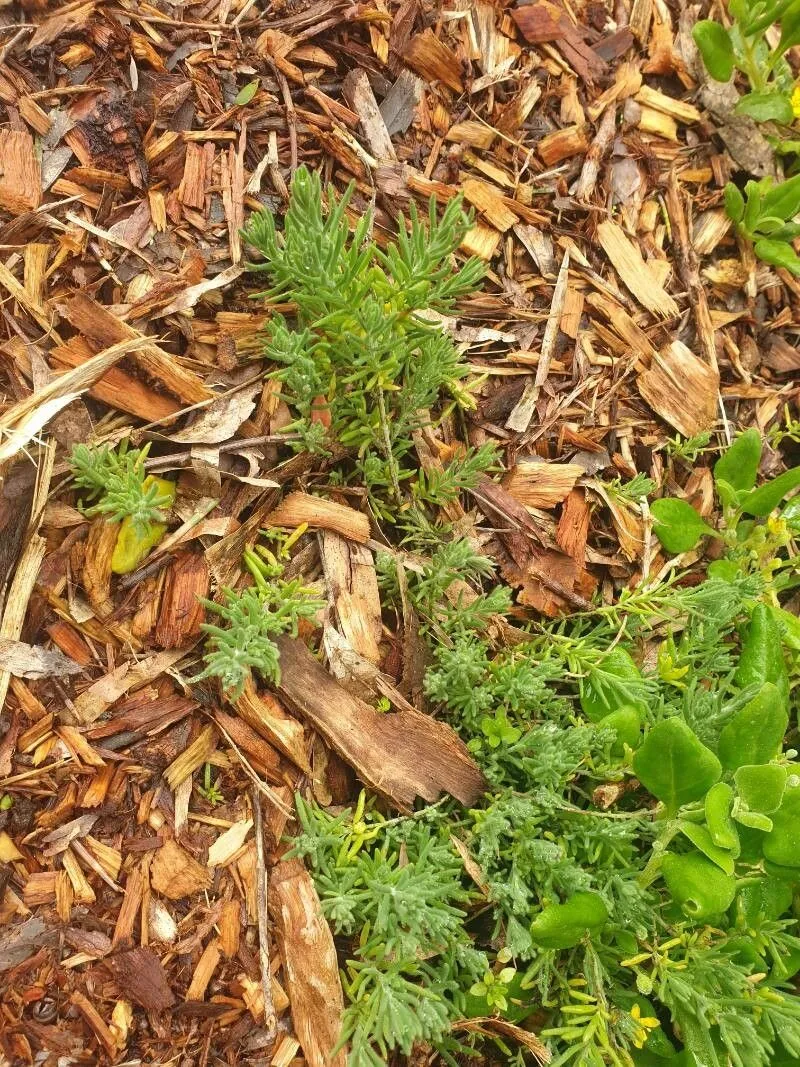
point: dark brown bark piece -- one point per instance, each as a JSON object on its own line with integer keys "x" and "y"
{"x": 140, "y": 975}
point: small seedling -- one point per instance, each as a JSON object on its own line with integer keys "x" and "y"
{"x": 253, "y": 618}
{"x": 365, "y": 363}
{"x": 122, "y": 491}
{"x": 210, "y": 790}
{"x": 765, "y": 215}
{"x": 746, "y": 48}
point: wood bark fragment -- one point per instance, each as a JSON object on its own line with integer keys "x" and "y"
{"x": 634, "y": 272}
{"x": 310, "y": 964}
{"x": 20, "y": 172}
{"x": 682, "y": 389}
{"x": 403, "y": 754}
{"x": 175, "y": 874}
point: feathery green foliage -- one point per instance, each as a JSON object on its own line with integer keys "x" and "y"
{"x": 253, "y": 618}
{"x": 117, "y": 482}
{"x": 634, "y": 851}
{"x": 367, "y": 348}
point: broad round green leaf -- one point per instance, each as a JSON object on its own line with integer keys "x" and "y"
{"x": 716, "y": 48}
{"x": 761, "y": 786}
{"x": 739, "y": 464}
{"x": 674, "y": 765}
{"x": 698, "y": 885}
{"x": 755, "y": 734}
{"x": 782, "y": 844}
{"x": 677, "y": 525}
{"x": 766, "y": 107}
{"x": 778, "y": 254}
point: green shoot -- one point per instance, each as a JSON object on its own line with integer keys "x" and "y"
{"x": 117, "y": 482}
{"x": 253, "y": 618}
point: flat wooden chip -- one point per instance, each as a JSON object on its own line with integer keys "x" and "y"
{"x": 401, "y": 754}
{"x": 682, "y": 389}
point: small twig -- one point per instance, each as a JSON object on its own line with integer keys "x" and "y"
{"x": 262, "y": 890}
{"x": 10, "y": 44}
{"x": 291, "y": 116}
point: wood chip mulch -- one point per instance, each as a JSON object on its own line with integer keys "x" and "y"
{"x": 139, "y": 922}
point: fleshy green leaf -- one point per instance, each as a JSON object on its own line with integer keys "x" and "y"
{"x": 755, "y": 734}
{"x": 782, "y": 844}
{"x": 702, "y": 840}
{"x": 766, "y": 107}
{"x": 246, "y": 94}
{"x": 778, "y": 254}
{"x": 739, "y": 465}
{"x": 753, "y": 192}
{"x": 734, "y": 202}
{"x": 716, "y": 48}
{"x": 677, "y": 525}
{"x": 761, "y": 786}
{"x": 674, "y": 765}
{"x": 781, "y": 200}
{"x": 698, "y": 885}
{"x": 718, "y": 804}
{"x": 767, "y": 497}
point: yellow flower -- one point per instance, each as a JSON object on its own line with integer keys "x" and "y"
{"x": 643, "y": 1025}
{"x": 796, "y": 101}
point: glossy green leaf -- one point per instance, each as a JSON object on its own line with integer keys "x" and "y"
{"x": 564, "y": 925}
{"x": 726, "y": 570}
{"x": 752, "y": 206}
{"x": 777, "y": 254}
{"x": 761, "y": 659}
{"x": 700, "y": 888}
{"x": 766, "y": 107}
{"x": 674, "y": 765}
{"x": 789, "y": 627}
{"x": 734, "y": 202}
{"x": 790, "y": 29}
{"x": 791, "y": 513}
{"x": 753, "y": 820}
{"x": 782, "y": 844}
{"x": 715, "y": 46}
{"x": 782, "y": 199}
{"x": 767, "y": 497}
{"x": 703, "y": 842}
{"x": 628, "y": 724}
{"x": 718, "y": 803}
{"x": 613, "y": 683}
{"x": 738, "y": 466}
{"x": 246, "y": 94}
{"x": 755, "y": 734}
{"x": 765, "y": 898}
{"x": 761, "y": 786}
{"x": 677, "y": 525}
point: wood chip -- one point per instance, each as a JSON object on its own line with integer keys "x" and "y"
{"x": 298, "y": 508}
{"x": 175, "y": 874}
{"x": 401, "y": 754}
{"x": 141, "y": 976}
{"x": 541, "y": 485}
{"x": 310, "y": 964}
{"x": 20, "y": 172}
{"x": 634, "y": 272}
{"x": 682, "y": 389}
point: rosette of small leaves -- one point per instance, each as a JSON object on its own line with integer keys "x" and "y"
{"x": 765, "y": 215}
{"x": 745, "y": 47}
{"x": 365, "y": 349}
{"x": 115, "y": 480}
{"x": 252, "y": 619}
